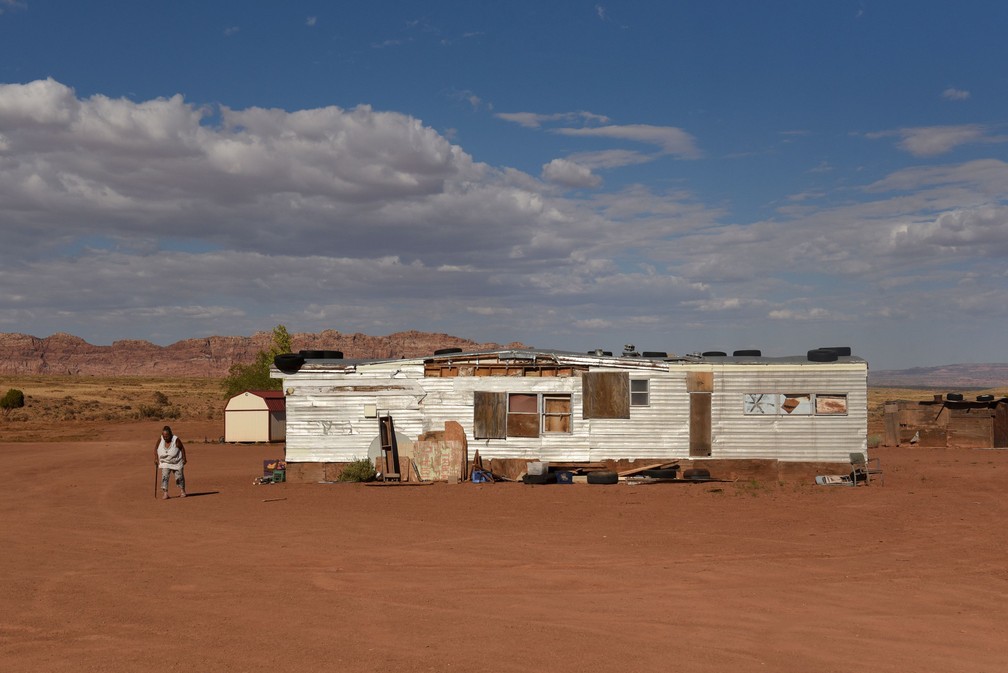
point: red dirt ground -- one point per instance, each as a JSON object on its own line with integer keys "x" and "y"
{"x": 98, "y": 575}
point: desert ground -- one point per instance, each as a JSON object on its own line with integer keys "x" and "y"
{"x": 100, "y": 575}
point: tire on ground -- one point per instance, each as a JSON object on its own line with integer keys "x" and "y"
{"x": 661, "y": 473}
{"x": 603, "y": 477}
{"x": 696, "y": 474}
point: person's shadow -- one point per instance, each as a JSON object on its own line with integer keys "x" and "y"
{"x": 199, "y": 493}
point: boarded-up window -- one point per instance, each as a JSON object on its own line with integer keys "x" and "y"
{"x": 830, "y": 405}
{"x": 489, "y": 415}
{"x": 523, "y": 415}
{"x": 605, "y": 395}
{"x": 556, "y": 413}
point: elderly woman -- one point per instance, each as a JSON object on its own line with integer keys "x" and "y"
{"x": 169, "y": 455}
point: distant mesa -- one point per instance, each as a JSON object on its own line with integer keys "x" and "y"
{"x": 63, "y": 354}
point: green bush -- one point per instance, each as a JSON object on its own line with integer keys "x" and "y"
{"x": 14, "y": 399}
{"x": 358, "y": 470}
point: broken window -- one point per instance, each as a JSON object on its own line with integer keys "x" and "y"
{"x": 556, "y": 413}
{"x": 760, "y": 404}
{"x": 830, "y": 405}
{"x": 640, "y": 392}
{"x": 502, "y": 415}
{"x": 523, "y": 415}
{"x": 795, "y": 404}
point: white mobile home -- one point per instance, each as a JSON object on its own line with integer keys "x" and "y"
{"x": 255, "y": 416}
{"x": 569, "y": 407}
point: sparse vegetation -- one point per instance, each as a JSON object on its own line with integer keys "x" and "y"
{"x": 71, "y": 406}
{"x": 14, "y": 399}
{"x": 255, "y": 376}
{"x": 358, "y": 470}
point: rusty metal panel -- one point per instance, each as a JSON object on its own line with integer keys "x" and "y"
{"x": 605, "y": 394}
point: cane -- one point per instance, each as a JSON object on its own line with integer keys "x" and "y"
{"x": 155, "y": 480}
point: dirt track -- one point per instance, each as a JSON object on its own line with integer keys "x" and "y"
{"x": 101, "y": 576}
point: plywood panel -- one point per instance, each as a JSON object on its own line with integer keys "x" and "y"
{"x": 700, "y": 424}
{"x": 700, "y": 382}
{"x": 489, "y": 415}
{"x": 605, "y": 395}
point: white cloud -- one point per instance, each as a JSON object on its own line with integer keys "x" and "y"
{"x": 370, "y": 220}
{"x": 570, "y": 174}
{"x": 955, "y": 94}
{"x": 311, "y": 21}
{"x": 536, "y": 120}
{"x": 929, "y": 141}
{"x": 671, "y": 140}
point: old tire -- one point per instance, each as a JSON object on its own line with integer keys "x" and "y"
{"x": 751, "y": 353}
{"x": 288, "y": 363}
{"x": 839, "y": 350}
{"x": 548, "y": 478}
{"x": 821, "y": 355}
{"x": 310, "y": 355}
{"x": 603, "y": 477}
{"x": 714, "y": 354}
{"x": 654, "y": 354}
{"x": 661, "y": 473}
{"x": 332, "y": 355}
{"x": 953, "y": 397}
{"x": 447, "y": 351}
{"x": 696, "y": 474}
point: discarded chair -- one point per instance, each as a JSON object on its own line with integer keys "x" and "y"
{"x": 863, "y": 467}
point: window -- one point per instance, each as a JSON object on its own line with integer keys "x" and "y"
{"x": 760, "y": 404}
{"x": 794, "y": 404}
{"x": 557, "y": 413}
{"x": 523, "y": 415}
{"x": 831, "y": 405}
{"x": 640, "y": 392}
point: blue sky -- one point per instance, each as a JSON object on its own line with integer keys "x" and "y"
{"x": 682, "y": 176}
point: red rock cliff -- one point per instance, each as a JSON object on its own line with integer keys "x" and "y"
{"x": 211, "y": 356}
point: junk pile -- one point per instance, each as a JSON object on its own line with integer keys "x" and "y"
{"x": 597, "y": 473}
{"x": 274, "y": 472}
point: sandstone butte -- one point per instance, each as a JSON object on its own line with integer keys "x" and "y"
{"x": 66, "y": 354}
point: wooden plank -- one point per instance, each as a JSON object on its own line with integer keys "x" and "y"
{"x": 653, "y": 466}
{"x": 700, "y": 424}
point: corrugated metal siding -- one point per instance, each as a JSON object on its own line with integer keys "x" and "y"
{"x": 326, "y": 413}
{"x": 789, "y": 438}
{"x": 659, "y": 430}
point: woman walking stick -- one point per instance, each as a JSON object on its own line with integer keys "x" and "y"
{"x": 155, "y": 480}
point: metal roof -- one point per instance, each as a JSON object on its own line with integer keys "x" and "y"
{"x": 573, "y": 357}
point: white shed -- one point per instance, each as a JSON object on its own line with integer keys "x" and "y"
{"x": 256, "y": 416}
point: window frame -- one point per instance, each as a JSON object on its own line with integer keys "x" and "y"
{"x": 774, "y": 404}
{"x": 646, "y": 393}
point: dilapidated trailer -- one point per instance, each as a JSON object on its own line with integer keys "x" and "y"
{"x": 558, "y": 406}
